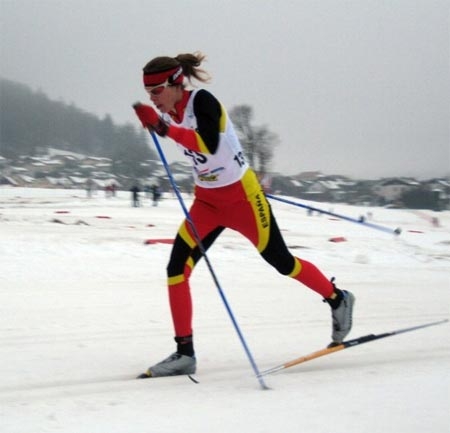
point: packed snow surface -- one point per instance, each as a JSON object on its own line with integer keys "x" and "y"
{"x": 83, "y": 310}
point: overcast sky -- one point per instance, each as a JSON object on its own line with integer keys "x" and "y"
{"x": 353, "y": 87}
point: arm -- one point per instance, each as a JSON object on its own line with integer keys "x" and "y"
{"x": 205, "y": 138}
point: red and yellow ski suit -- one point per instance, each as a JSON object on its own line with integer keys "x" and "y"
{"x": 227, "y": 195}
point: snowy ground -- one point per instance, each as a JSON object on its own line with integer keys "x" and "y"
{"x": 83, "y": 309}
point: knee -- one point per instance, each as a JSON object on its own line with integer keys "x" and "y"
{"x": 284, "y": 264}
{"x": 174, "y": 268}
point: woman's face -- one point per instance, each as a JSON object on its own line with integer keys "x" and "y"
{"x": 164, "y": 97}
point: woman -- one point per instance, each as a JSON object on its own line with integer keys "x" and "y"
{"x": 227, "y": 195}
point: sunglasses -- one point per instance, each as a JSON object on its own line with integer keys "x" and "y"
{"x": 157, "y": 90}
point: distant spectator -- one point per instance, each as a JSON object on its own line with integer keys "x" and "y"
{"x": 156, "y": 194}
{"x": 108, "y": 191}
{"x": 89, "y": 187}
{"x": 135, "y": 190}
{"x": 113, "y": 189}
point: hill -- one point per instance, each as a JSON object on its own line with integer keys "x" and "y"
{"x": 30, "y": 123}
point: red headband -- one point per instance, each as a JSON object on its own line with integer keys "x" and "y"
{"x": 173, "y": 76}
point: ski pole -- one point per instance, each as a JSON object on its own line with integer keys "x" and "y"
{"x": 207, "y": 261}
{"x": 396, "y": 231}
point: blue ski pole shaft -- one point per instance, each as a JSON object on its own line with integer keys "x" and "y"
{"x": 396, "y": 231}
{"x": 208, "y": 263}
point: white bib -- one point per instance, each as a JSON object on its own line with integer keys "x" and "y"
{"x": 223, "y": 168}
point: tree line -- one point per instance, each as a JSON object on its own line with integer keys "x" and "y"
{"x": 30, "y": 123}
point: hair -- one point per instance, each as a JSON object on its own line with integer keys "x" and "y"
{"x": 190, "y": 63}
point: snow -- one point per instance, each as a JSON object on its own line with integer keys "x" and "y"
{"x": 83, "y": 310}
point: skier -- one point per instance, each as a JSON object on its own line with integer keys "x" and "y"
{"x": 227, "y": 195}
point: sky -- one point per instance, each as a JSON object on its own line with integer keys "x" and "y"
{"x": 352, "y": 87}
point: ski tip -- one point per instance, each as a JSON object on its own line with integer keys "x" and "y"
{"x": 193, "y": 379}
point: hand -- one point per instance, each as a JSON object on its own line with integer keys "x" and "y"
{"x": 150, "y": 118}
{"x": 147, "y": 115}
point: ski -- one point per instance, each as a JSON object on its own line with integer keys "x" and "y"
{"x": 146, "y": 375}
{"x": 346, "y": 345}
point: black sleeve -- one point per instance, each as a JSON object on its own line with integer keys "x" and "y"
{"x": 208, "y": 111}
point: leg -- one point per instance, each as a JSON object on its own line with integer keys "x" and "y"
{"x": 340, "y": 301}
{"x": 184, "y": 256}
{"x": 277, "y": 254}
{"x": 182, "y": 261}
{"x": 255, "y": 220}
